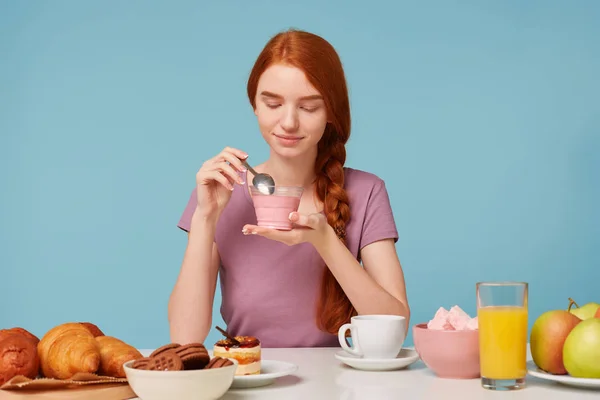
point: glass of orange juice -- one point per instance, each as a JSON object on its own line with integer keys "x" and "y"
{"x": 502, "y": 320}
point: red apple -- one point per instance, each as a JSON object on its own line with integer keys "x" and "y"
{"x": 547, "y": 339}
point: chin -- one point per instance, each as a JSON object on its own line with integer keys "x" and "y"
{"x": 290, "y": 153}
{"x": 287, "y": 151}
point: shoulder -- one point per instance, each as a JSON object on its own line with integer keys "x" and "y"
{"x": 364, "y": 189}
{"x": 372, "y": 218}
{"x": 356, "y": 179}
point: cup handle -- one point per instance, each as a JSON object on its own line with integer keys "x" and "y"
{"x": 355, "y": 349}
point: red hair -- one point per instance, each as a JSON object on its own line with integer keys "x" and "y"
{"x": 323, "y": 69}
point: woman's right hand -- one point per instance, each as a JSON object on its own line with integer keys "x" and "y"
{"x": 215, "y": 181}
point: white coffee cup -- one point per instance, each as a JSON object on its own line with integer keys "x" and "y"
{"x": 374, "y": 336}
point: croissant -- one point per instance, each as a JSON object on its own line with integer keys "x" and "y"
{"x": 18, "y": 356}
{"x": 113, "y": 354}
{"x": 68, "y": 349}
{"x": 94, "y": 330}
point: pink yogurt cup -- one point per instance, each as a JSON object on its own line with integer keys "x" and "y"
{"x": 273, "y": 211}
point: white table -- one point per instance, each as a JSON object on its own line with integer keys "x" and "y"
{"x": 321, "y": 376}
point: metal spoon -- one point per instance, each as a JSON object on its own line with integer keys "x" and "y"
{"x": 263, "y": 182}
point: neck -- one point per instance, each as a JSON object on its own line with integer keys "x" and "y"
{"x": 299, "y": 171}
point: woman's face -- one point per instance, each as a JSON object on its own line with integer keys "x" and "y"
{"x": 291, "y": 112}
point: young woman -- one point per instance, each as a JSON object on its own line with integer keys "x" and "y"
{"x": 290, "y": 288}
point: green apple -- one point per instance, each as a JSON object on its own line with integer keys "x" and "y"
{"x": 586, "y": 311}
{"x": 581, "y": 350}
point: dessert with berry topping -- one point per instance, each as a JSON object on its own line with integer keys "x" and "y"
{"x": 244, "y": 349}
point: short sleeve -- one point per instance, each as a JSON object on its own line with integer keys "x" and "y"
{"x": 379, "y": 220}
{"x": 186, "y": 218}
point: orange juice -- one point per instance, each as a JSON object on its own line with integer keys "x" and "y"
{"x": 502, "y": 341}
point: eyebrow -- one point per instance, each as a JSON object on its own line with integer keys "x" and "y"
{"x": 277, "y": 96}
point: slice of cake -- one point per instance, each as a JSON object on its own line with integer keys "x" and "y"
{"x": 246, "y": 352}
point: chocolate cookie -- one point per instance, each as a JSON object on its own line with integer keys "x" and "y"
{"x": 166, "y": 347}
{"x": 218, "y": 362}
{"x": 141, "y": 363}
{"x": 165, "y": 361}
{"x": 193, "y": 355}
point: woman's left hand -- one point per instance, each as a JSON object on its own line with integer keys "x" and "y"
{"x": 311, "y": 228}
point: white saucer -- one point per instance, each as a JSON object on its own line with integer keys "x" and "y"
{"x": 269, "y": 370}
{"x": 564, "y": 379}
{"x": 403, "y": 360}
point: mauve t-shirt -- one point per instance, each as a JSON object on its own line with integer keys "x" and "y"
{"x": 269, "y": 289}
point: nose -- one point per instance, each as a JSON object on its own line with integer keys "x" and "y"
{"x": 289, "y": 119}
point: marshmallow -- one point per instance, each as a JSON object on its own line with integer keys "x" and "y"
{"x": 473, "y": 324}
{"x": 440, "y": 320}
{"x": 458, "y": 318}
{"x": 441, "y": 313}
{"x": 455, "y": 319}
{"x": 456, "y": 310}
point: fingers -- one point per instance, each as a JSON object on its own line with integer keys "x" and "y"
{"x": 222, "y": 168}
{"x": 238, "y": 153}
{"x": 232, "y": 157}
{"x": 228, "y": 170}
{"x": 217, "y": 176}
{"x": 308, "y": 228}
{"x": 312, "y": 220}
{"x": 289, "y": 238}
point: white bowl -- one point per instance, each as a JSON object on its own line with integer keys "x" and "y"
{"x": 200, "y": 384}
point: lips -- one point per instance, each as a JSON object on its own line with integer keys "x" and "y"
{"x": 288, "y": 137}
{"x": 288, "y": 140}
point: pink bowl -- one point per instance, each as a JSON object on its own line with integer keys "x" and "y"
{"x": 449, "y": 354}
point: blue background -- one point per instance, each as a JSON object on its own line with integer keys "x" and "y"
{"x": 482, "y": 117}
